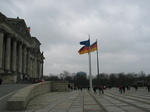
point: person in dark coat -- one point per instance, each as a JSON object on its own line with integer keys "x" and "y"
{"x": 1, "y": 81}
{"x": 88, "y": 88}
{"x": 102, "y": 89}
{"x": 148, "y": 87}
{"x": 123, "y": 88}
{"x": 136, "y": 87}
{"x": 94, "y": 89}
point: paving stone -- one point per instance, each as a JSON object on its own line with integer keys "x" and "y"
{"x": 77, "y": 101}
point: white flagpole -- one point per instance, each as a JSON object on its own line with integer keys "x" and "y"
{"x": 97, "y": 63}
{"x": 90, "y": 72}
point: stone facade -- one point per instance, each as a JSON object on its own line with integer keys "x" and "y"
{"x": 20, "y": 55}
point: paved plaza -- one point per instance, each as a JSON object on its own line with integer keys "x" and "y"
{"x": 77, "y": 101}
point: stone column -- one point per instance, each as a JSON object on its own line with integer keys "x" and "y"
{"x": 1, "y": 52}
{"x": 14, "y": 55}
{"x": 32, "y": 68}
{"x": 28, "y": 62}
{"x": 35, "y": 68}
{"x": 20, "y": 58}
{"x": 8, "y": 54}
{"x": 29, "y": 66}
{"x": 41, "y": 68}
{"x": 24, "y": 60}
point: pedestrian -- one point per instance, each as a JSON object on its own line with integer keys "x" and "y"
{"x": 94, "y": 89}
{"x": 128, "y": 87}
{"x": 69, "y": 86}
{"x": 1, "y": 81}
{"x": 148, "y": 87}
{"x": 123, "y": 88}
{"x": 88, "y": 88}
{"x": 120, "y": 88}
{"x": 102, "y": 89}
{"x": 136, "y": 87}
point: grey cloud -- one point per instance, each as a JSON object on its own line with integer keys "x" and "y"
{"x": 121, "y": 27}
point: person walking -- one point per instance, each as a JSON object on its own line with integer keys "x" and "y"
{"x": 88, "y": 88}
{"x": 136, "y": 87}
{"x": 148, "y": 87}
{"x": 102, "y": 89}
{"x": 1, "y": 81}
{"x": 123, "y": 88}
{"x": 94, "y": 89}
{"x": 120, "y": 88}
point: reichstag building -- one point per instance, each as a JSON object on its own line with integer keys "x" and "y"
{"x": 20, "y": 55}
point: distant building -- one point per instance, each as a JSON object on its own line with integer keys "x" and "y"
{"x": 20, "y": 55}
{"x": 82, "y": 73}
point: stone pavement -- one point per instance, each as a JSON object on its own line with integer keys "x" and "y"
{"x": 77, "y": 101}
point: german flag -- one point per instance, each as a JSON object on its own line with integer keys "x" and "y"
{"x": 28, "y": 29}
{"x": 83, "y": 50}
{"x": 94, "y": 46}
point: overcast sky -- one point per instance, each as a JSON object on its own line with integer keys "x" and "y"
{"x": 122, "y": 28}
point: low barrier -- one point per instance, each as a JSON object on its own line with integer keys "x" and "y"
{"x": 19, "y": 100}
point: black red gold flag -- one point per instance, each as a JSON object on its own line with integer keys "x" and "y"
{"x": 83, "y": 50}
{"x": 93, "y": 47}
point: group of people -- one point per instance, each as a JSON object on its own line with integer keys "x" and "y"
{"x": 101, "y": 89}
{"x": 121, "y": 89}
{"x": 95, "y": 88}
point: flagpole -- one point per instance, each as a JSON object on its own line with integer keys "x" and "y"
{"x": 90, "y": 72}
{"x": 97, "y": 63}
